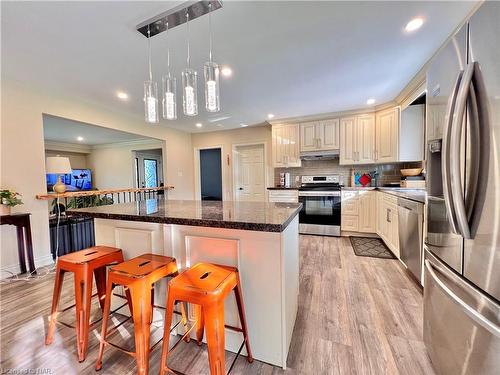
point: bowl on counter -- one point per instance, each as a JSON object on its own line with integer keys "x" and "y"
{"x": 411, "y": 172}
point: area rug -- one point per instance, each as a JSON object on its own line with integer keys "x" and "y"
{"x": 371, "y": 247}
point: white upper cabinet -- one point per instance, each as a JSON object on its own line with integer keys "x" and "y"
{"x": 319, "y": 135}
{"x": 365, "y": 152}
{"x": 348, "y": 137}
{"x": 285, "y": 148}
{"x": 387, "y": 135}
{"x": 309, "y": 136}
{"x": 330, "y": 134}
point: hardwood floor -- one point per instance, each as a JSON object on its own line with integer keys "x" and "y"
{"x": 356, "y": 315}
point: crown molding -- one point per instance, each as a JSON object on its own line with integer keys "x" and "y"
{"x": 67, "y": 147}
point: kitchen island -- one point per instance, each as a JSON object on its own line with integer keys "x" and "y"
{"x": 260, "y": 239}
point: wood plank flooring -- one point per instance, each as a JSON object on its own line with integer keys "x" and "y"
{"x": 356, "y": 315}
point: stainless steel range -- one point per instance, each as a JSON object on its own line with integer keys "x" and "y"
{"x": 320, "y": 198}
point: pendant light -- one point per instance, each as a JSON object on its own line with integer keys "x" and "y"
{"x": 211, "y": 70}
{"x": 150, "y": 92}
{"x": 189, "y": 83}
{"x": 169, "y": 90}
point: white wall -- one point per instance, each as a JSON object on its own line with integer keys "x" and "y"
{"x": 227, "y": 139}
{"x": 77, "y": 160}
{"x": 23, "y": 155}
{"x": 113, "y": 165}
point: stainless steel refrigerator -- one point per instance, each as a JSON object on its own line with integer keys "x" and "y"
{"x": 462, "y": 244}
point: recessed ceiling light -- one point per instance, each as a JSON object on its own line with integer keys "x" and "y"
{"x": 79, "y": 139}
{"x": 370, "y": 101}
{"x": 414, "y": 24}
{"x": 243, "y": 125}
{"x": 199, "y": 124}
{"x": 270, "y": 115}
{"x": 227, "y": 71}
{"x": 122, "y": 95}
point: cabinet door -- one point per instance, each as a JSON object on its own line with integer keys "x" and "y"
{"x": 329, "y": 134}
{"x": 292, "y": 152}
{"x": 309, "y": 136}
{"x": 349, "y": 204}
{"x": 387, "y": 136}
{"x": 367, "y": 211}
{"x": 348, "y": 140}
{"x": 285, "y": 149}
{"x": 365, "y": 152}
{"x": 278, "y": 135}
{"x": 349, "y": 223}
{"x": 380, "y": 215}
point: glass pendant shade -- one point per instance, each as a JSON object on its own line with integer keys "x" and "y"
{"x": 212, "y": 99}
{"x": 189, "y": 92}
{"x": 151, "y": 102}
{"x": 169, "y": 97}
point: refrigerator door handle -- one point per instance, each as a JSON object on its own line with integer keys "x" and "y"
{"x": 455, "y": 137}
{"x": 445, "y": 163}
{"x": 471, "y": 312}
{"x": 475, "y": 151}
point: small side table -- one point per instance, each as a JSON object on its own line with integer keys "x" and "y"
{"x": 22, "y": 224}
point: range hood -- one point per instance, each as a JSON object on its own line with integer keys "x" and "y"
{"x": 320, "y": 155}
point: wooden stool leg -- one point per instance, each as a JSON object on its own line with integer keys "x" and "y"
{"x": 100, "y": 283}
{"x": 55, "y": 304}
{"x": 104, "y": 329}
{"x": 200, "y": 324}
{"x": 141, "y": 300}
{"x": 83, "y": 296}
{"x": 169, "y": 311}
{"x": 241, "y": 310}
{"x": 214, "y": 324}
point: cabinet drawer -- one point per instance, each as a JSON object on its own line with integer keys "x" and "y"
{"x": 349, "y": 223}
{"x": 391, "y": 199}
{"x": 283, "y": 196}
{"x": 350, "y": 203}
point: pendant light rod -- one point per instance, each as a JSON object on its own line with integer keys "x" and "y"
{"x": 149, "y": 56}
{"x": 168, "y": 51}
{"x": 210, "y": 30}
{"x": 177, "y": 16}
{"x": 188, "y": 46}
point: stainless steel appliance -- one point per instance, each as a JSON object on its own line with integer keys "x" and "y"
{"x": 410, "y": 225}
{"x": 462, "y": 257}
{"x": 320, "y": 198}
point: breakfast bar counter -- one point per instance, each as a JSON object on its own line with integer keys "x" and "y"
{"x": 260, "y": 239}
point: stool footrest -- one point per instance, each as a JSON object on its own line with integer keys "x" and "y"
{"x": 73, "y": 305}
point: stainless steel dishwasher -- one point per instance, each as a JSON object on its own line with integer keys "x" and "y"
{"x": 410, "y": 218}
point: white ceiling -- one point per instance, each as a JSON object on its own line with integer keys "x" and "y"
{"x": 58, "y": 129}
{"x": 289, "y": 58}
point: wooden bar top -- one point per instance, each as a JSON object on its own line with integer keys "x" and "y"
{"x": 85, "y": 193}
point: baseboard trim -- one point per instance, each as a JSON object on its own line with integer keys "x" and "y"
{"x": 13, "y": 269}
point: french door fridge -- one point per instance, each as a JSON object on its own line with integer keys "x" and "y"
{"x": 462, "y": 245}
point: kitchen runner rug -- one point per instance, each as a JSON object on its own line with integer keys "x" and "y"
{"x": 371, "y": 247}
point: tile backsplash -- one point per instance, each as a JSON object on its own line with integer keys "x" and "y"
{"x": 387, "y": 173}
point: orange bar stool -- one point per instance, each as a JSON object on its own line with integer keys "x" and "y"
{"x": 207, "y": 285}
{"x": 83, "y": 264}
{"x": 138, "y": 275}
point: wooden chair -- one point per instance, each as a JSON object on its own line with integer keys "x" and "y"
{"x": 138, "y": 275}
{"x": 207, "y": 286}
{"x": 83, "y": 264}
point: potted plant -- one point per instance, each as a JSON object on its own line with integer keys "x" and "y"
{"x": 8, "y": 199}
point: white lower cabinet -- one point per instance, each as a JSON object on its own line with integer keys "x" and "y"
{"x": 283, "y": 196}
{"x": 359, "y": 211}
{"x": 371, "y": 212}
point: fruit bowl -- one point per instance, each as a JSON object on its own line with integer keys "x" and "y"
{"x": 411, "y": 172}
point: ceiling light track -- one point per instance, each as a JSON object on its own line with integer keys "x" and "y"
{"x": 177, "y": 16}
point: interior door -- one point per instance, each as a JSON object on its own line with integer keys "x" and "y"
{"x": 148, "y": 169}
{"x": 250, "y": 181}
{"x": 482, "y": 252}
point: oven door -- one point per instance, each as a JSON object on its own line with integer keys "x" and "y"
{"x": 320, "y": 213}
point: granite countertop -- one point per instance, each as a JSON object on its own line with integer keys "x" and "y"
{"x": 254, "y": 216}
{"x": 417, "y": 195}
